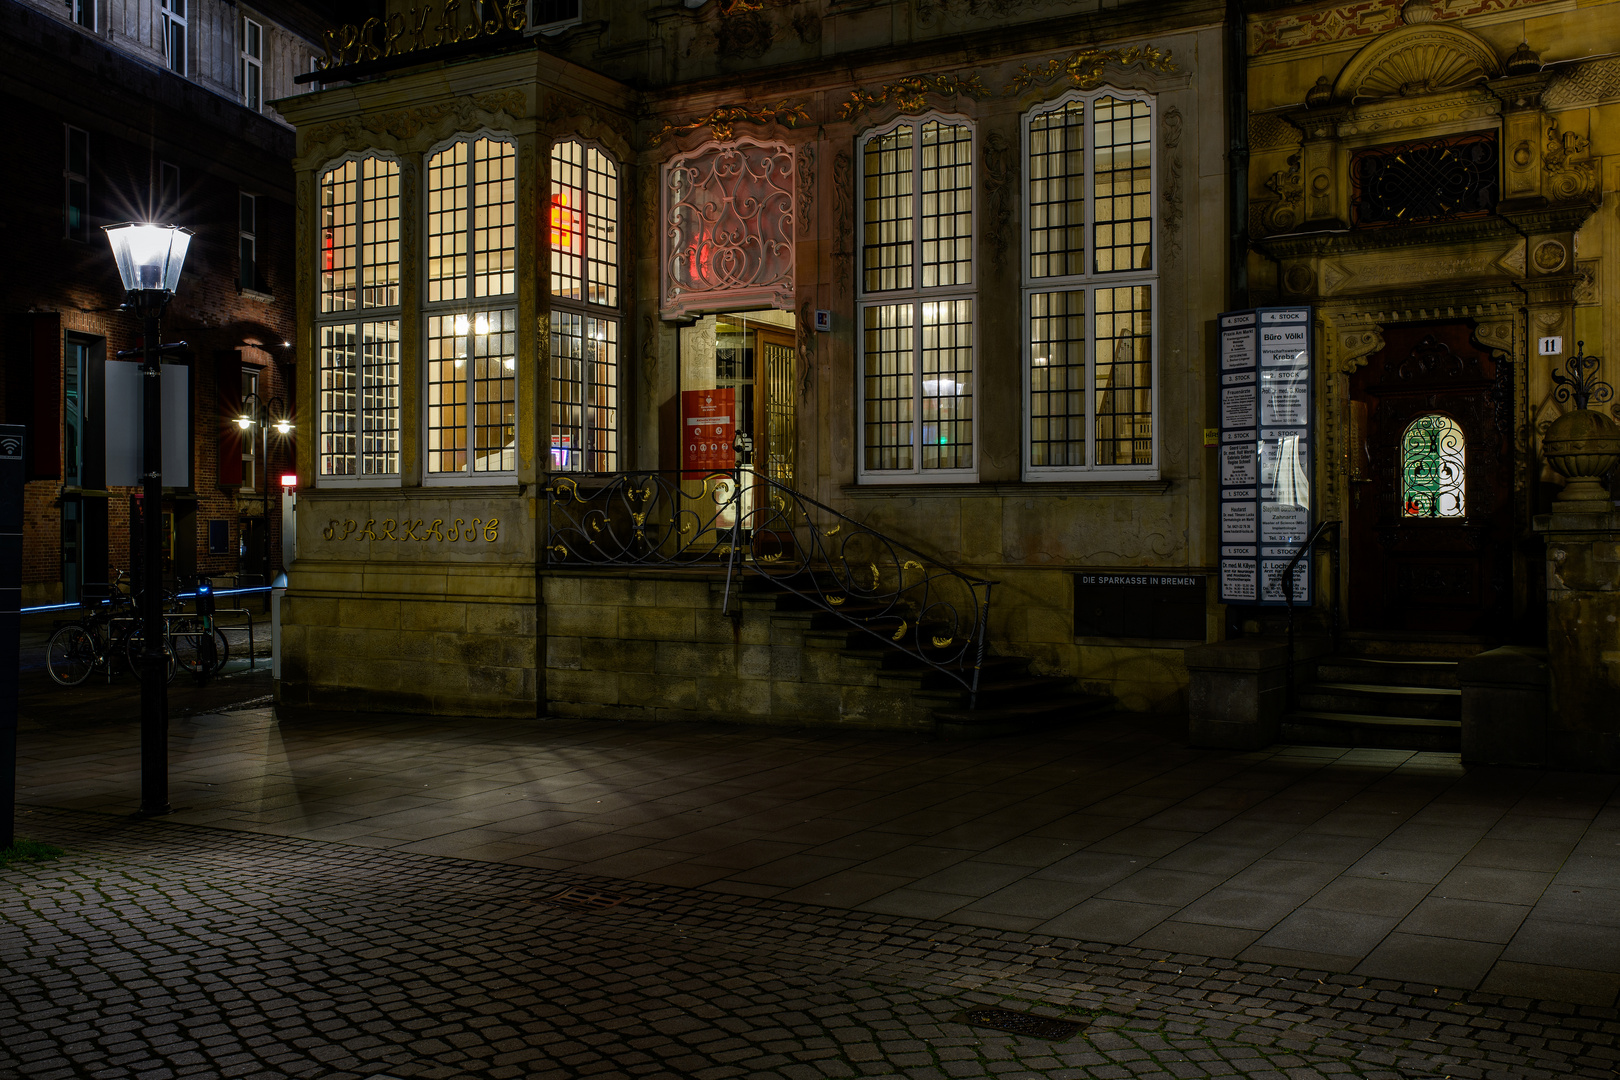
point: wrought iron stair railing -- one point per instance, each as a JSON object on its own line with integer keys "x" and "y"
{"x": 751, "y": 525}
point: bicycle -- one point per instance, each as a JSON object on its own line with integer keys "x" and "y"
{"x": 99, "y": 638}
{"x": 199, "y": 646}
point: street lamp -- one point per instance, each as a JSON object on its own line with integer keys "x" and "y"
{"x": 260, "y": 415}
{"x": 149, "y": 259}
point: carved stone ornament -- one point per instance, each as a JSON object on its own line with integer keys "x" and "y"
{"x": 910, "y": 95}
{"x": 807, "y": 188}
{"x": 728, "y": 227}
{"x": 1000, "y": 181}
{"x": 1549, "y": 256}
{"x": 1170, "y": 201}
{"x": 844, "y": 211}
{"x": 1568, "y": 180}
{"x": 1084, "y": 70}
{"x": 469, "y": 113}
{"x": 722, "y": 122}
{"x": 1419, "y": 59}
{"x": 1286, "y": 207}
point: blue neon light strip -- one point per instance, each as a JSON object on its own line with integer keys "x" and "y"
{"x": 183, "y": 596}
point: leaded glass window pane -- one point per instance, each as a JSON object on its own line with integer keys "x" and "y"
{"x": 1124, "y": 366}
{"x": 1057, "y": 196}
{"x": 887, "y": 250}
{"x": 1122, "y": 170}
{"x": 472, "y": 391}
{"x": 584, "y": 242}
{"x": 1432, "y": 452}
{"x": 1057, "y": 379}
{"x": 946, "y": 205}
{"x": 890, "y": 357}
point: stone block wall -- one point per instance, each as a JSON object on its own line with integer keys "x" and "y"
{"x": 653, "y": 646}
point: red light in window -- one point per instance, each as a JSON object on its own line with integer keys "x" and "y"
{"x": 566, "y": 230}
{"x": 327, "y": 245}
{"x": 289, "y": 480}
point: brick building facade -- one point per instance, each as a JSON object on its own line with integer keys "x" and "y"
{"x": 117, "y": 121}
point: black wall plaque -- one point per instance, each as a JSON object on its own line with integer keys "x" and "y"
{"x": 1159, "y": 606}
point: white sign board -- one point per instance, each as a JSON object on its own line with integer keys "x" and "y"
{"x": 126, "y": 427}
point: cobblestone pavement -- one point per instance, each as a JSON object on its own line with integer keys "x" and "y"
{"x": 155, "y": 949}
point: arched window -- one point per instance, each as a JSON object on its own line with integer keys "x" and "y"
{"x": 471, "y": 344}
{"x": 584, "y": 238}
{"x": 1090, "y": 286}
{"x": 1432, "y": 450}
{"x": 918, "y": 297}
{"x": 357, "y": 321}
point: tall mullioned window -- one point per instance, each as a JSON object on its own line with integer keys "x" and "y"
{"x": 1090, "y": 287}
{"x": 173, "y": 30}
{"x": 583, "y": 232}
{"x": 357, "y": 322}
{"x": 252, "y": 66}
{"x": 918, "y": 298}
{"x": 470, "y": 340}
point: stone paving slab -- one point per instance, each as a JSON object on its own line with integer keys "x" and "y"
{"x": 156, "y": 949}
{"x": 1379, "y": 864}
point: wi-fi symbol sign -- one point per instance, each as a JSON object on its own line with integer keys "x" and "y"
{"x": 10, "y": 446}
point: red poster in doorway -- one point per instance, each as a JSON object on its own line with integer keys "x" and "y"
{"x": 708, "y": 426}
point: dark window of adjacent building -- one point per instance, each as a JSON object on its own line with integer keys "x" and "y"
{"x": 84, "y": 13}
{"x": 252, "y": 64}
{"x": 552, "y": 16}
{"x": 76, "y": 173}
{"x": 168, "y": 193}
{"x": 174, "y": 35}
{"x": 1429, "y": 180}
{"x": 76, "y": 352}
{"x": 249, "y": 243}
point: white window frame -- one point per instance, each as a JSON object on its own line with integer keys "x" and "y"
{"x": 79, "y": 9}
{"x": 587, "y": 309}
{"x": 247, "y": 240}
{"x": 356, "y": 318}
{"x": 556, "y": 26}
{"x": 427, "y": 311}
{"x": 252, "y": 65}
{"x": 917, "y": 295}
{"x": 168, "y": 21}
{"x": 69, "y": 178}
{"x": 1089, "y": 282}
{"x": 251, "y": 434}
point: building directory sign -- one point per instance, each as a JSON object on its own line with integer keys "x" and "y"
{"x": 1265, "y": 452}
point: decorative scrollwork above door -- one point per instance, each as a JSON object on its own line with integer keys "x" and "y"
{"x": 728, "y": 225}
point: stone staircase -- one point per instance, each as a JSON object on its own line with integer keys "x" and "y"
{"x": 1009, "y": 699}
{"x": 1395, "y": 693}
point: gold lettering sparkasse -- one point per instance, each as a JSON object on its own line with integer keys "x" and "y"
{"x": 414, "y": 529}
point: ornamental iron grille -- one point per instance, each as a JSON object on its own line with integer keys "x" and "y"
{"x": 728, "y": 228}
{"x": 1432, "y": 451}
{"x": 1416, "y": 182}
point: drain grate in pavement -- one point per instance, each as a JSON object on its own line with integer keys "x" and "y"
{"x": 583, "y": 898}
{"x": 1017, "y": 1023}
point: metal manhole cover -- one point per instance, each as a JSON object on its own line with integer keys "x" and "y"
{"x": 581, "y": 898}
{"x": 1017, "y": 1023}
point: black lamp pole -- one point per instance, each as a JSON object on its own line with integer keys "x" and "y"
{"x": 262, "y": 411}
{"x": 149, "y": 303}
{"x": 149, "y": 259}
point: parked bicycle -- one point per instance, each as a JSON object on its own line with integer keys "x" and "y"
{"x": 102, "y": 638}
{"x": 199, "y": 646}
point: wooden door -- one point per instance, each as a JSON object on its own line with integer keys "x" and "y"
{"x": 1431, "y": 513}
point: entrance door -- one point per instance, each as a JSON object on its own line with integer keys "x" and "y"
{"x": 1431, "y": 517}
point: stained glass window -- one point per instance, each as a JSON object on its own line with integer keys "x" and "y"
{"x": 1432, "y": 451}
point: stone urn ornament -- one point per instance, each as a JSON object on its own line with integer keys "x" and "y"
{"x": 1583, "y": 444}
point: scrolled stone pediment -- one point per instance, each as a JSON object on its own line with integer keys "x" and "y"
{"x": 1429, "y": 58}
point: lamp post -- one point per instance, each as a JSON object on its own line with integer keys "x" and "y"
{"x": 260, "y": 415}
{"x": 149, "y": 259}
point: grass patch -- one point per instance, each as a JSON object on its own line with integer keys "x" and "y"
{"x": 28, "y": 851}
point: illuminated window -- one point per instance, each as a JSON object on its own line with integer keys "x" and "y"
{"x": 357, "y": 365}
{"x": 1090, "y": 287}
{"x": 1432, "y": 452}
{"x": 470, "y": 345}
{"x": 583, "y": 234}
{"x": 918, "y": 296}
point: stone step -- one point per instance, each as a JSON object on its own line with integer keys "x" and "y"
{"x": 1387, "y": 671}
{"x": 988, "y": 722}
{"x": 1428, "y": 702}
{"x": 1412, "y": 645}
{"x": 1322, "y": 728}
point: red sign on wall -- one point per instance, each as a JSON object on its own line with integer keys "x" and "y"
{"x": 709, "y": 424}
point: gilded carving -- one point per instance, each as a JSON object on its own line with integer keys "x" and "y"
{"x": 807, "y": 187}
{"x": 910, "y": 95}
{"x": 1567, "y": 178}
{"x": 1084, "y": 69}
{"x": 807, "y": 348}
{"x": 844, "y": 211}
{"x": 1170, "y": 208}
{"x": 1000, "y": 181}
{"x": 1361, "y": 19}
{"x": 722, "y": 122}
{"x": 470, "y": 112}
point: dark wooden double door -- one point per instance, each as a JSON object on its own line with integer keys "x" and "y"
{"x": 1431, "y": 531}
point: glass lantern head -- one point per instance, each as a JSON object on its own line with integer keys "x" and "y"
{"x": 149, "y": 256}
